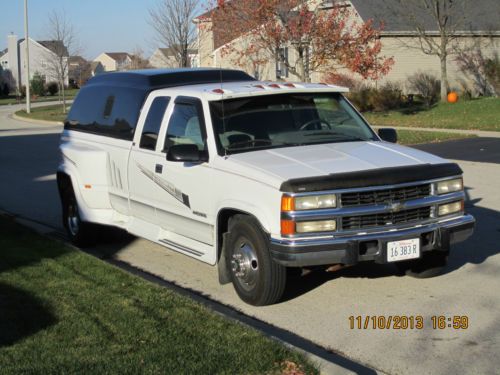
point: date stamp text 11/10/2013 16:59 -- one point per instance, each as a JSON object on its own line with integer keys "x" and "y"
{"x": 418, "y": 322}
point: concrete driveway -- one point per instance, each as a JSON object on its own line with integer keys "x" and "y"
{"x": 318, "y": 306}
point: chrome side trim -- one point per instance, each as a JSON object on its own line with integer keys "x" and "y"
{"x": 178, "y": 247}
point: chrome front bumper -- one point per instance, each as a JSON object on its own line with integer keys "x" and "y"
{"x": 350, "y": 250}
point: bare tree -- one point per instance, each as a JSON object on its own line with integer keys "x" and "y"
{"x": 63, "y": 42}
{"x": 172, "y": 21}
{"x": 437, "y": 24}
{"x": 138, "y": 59}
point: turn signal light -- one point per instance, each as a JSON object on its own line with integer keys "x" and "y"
{"x": 287, "y": 203}
{"x": 287, "y": 227}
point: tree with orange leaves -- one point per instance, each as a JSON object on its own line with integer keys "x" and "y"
{"x": 319, "y": 38}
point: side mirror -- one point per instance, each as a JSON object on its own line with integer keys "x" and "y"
{"x": 388, "y": 135}
{"x": 185, "y": 153}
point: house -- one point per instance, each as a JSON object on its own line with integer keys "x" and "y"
{"x": 81, "y": 70}
{"x": 96, "y": 68}
{"x": 398, "y": 38}
{"x": 42, "y": 58}
{"x": 113, "y": 61}
{"x": 77, "y": 66}
{"x": 165, "y": 58}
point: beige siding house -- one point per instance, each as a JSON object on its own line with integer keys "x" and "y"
{"x": 113, "y": 61}
{"x": 398, "y": 40}
{"x": 165, "y": 58}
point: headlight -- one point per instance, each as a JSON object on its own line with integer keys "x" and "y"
{"x": 310, "y": 202}
{"x": 449, "y": 186}
{"x": 450, "y": 208}
{"x": 316, "y": 226}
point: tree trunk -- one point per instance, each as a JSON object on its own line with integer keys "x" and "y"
{"x": 63, "y": 95}
{"x": 444, "y": 78}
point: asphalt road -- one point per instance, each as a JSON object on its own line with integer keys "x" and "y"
{"x": 483, "y": 150}
{"x": 318, "y": 306}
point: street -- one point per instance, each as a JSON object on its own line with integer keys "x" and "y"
{"x": 318, "y": 306}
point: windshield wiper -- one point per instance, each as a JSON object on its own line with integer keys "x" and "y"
{"x": 339, "y": 136}
{"x": 242, "y": 144}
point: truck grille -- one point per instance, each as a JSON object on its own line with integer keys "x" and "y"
{"x": 385, "y": 196}
{"x": 385, "y": 218}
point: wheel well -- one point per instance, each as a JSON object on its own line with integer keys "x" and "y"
{"x": 223, "y": 219}
{"x": 63, "y": 183}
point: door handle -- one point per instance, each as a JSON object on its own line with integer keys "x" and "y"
{"x": 159, "y": 168}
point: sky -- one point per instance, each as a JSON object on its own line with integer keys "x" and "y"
{"x": 101, "y": 25}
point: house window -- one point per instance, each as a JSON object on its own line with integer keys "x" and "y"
{"x": 281, "y": 66}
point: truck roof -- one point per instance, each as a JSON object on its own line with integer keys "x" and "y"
{"x": 228, "y": 90}
{"x": 152, "y": 79}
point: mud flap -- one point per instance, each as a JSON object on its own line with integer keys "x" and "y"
{"x": 223, "y": 264}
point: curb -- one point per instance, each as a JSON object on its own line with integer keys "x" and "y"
{"x": 35, "y": 121}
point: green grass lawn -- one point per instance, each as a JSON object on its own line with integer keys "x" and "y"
{"x": 412, "y": 137}
{"x": 70, "y": 94}
{"x": 48, "y": 113}
{"x": 477, "y": 114}
{"x": 63, "y": 311}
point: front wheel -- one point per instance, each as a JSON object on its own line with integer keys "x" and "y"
{"x": 257, "y": 279}
{"x": 431, "y": 264}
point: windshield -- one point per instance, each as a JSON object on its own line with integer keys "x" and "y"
{"x": 271, "y": 121}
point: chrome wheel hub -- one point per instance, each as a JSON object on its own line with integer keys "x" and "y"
{"x": 244, "y": 264}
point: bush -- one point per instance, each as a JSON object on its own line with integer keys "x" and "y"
{"x": 388, "y": 97}
{"x": 477, "y": 68}
{"x": 361, "y": 97}
{"x": 52, "y": 88}
{"x": 22, "y": 91}
{"x": 4, "y": 89}
{"x": 37, "y": 85}
{"x": 492, "y": 71}
{"x": 426, "y": 86}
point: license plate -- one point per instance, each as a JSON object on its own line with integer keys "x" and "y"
{"x": 403, "y": 250}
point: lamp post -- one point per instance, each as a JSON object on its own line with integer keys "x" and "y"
{"x": 27, "y": 58}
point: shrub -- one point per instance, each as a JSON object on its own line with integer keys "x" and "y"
{"x": 52, "y": 88}
{"x": 426, "y": 86}
{"x": 4, "y": 89}
{"x": 37, "y": 85}
{"x": 361, "y": 97}
{"x": 22, "y": 91}
{"x": 492, "y": 71}
{"x": 389, "y": 96}
{"x": 474, "y": 66}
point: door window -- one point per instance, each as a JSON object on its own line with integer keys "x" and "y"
{"x": 185, "y": 127}
{"x": 153, "y": 122}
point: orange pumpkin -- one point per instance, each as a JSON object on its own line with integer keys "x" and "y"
{"x": 452, "y": 97}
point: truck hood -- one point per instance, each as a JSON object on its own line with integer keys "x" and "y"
{"x": 275, "y": 166}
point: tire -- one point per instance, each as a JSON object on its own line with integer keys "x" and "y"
{"x": 431, "y": 264}
{"x": 257, "y": 279}
{"x": 80, "y": 233}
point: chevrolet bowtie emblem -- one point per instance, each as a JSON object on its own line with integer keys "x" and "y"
{"x": 396, "y": 207}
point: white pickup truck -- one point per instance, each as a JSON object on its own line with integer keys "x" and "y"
{"x": 254, "y": 177}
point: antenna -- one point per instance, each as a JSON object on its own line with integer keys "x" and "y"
{"x": 222, "y": 108}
